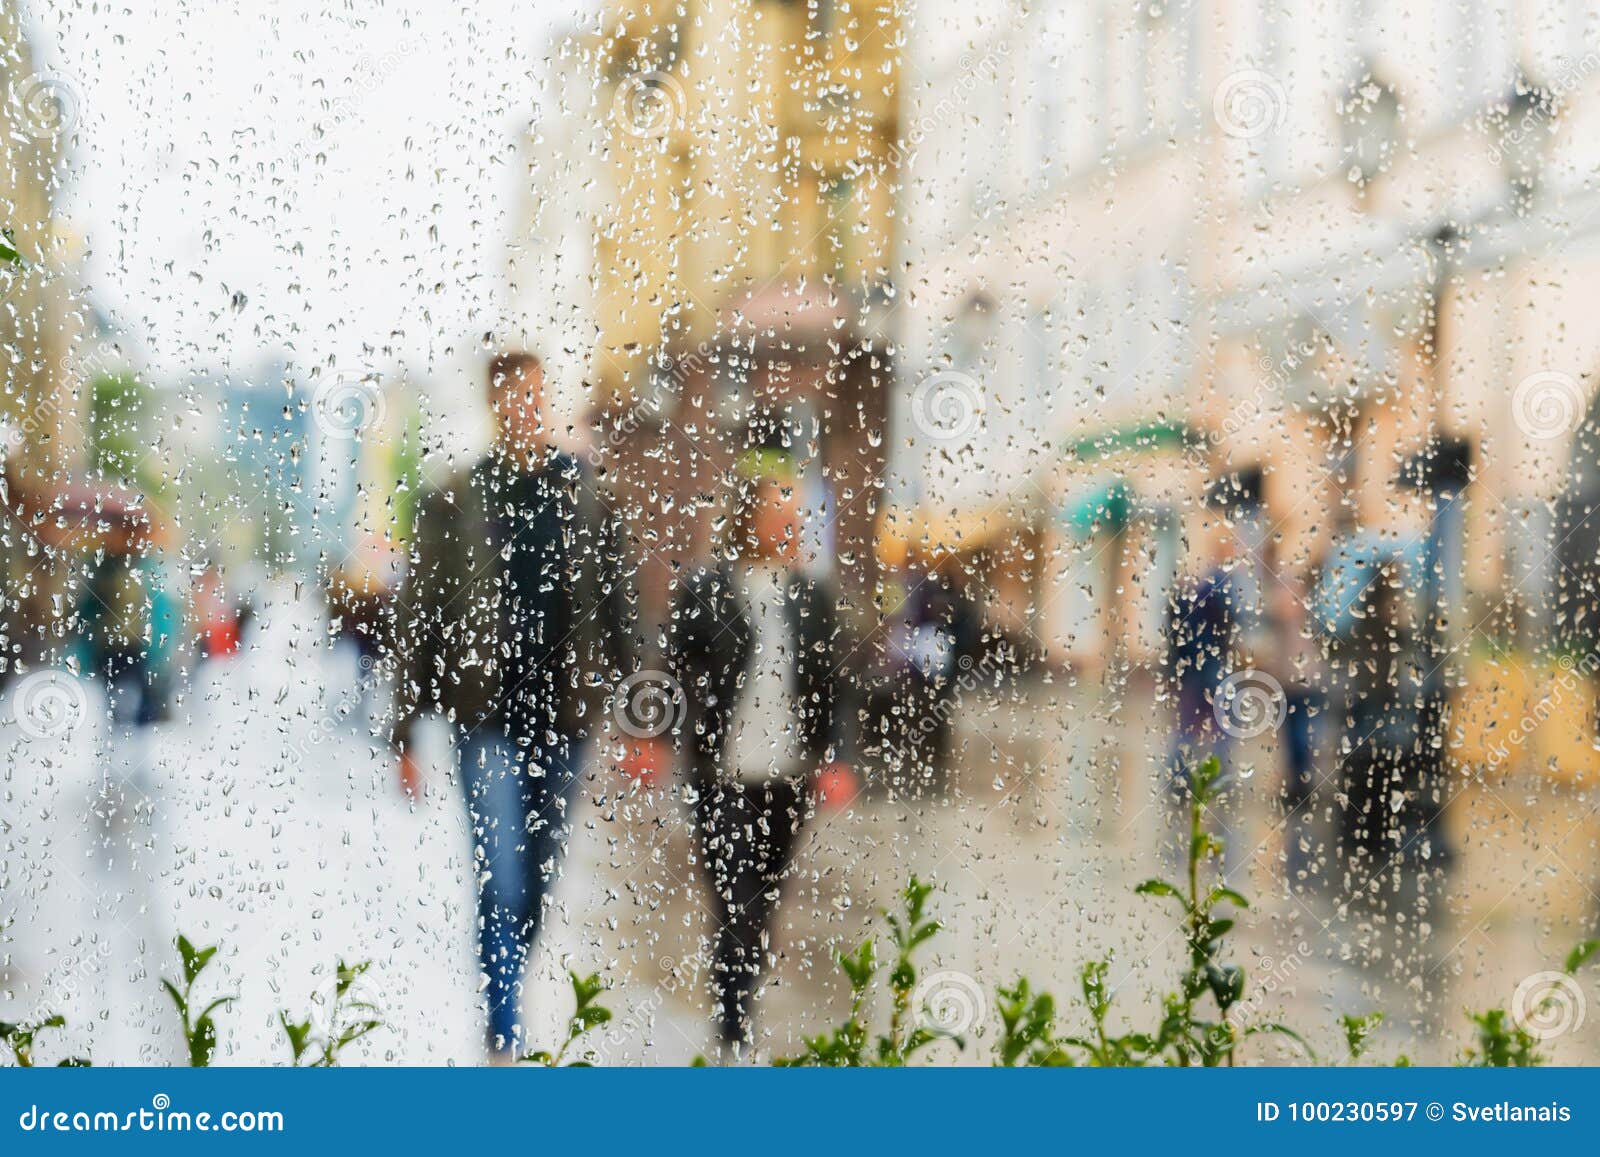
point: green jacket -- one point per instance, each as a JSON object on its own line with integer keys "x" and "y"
{"x": 449, "y": 646}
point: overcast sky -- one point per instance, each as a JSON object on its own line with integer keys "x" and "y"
{"x": 250, "y": 179}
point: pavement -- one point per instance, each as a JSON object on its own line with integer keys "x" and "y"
{"x": 266, "y": 818}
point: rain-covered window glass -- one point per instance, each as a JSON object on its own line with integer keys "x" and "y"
{"x": 787, "y": 530}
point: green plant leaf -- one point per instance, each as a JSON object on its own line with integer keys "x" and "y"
{"x": 1203, "y": 779}
{"x": 860, "y": 967}
{"x": 1155, "y": 887}
{"x": 187, "y": 953}
{"x": 203, "y": 1044}
{"x": 1356, "y": 1031}
{"x": 1276, "y": 1029}
{"x": 299, "y": 1035}
{"x": 1221, "y": 893}
{"x": 1580, "y": 955}
{"x": 1226, "y": 982}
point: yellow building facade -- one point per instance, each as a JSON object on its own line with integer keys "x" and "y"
{"x": 36, "y": 311}
{"x": 749, "y": 146}
{"x": 738, "y": 236}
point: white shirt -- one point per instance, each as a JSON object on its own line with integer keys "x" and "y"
{"x": 763, "y": 740}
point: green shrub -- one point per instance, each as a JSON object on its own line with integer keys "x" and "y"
{"x": 199, "y": 1030}
{"x": 349, "y": 1019}
{"x": 19, "y": 1039}
{"x": 587, "y": 1013}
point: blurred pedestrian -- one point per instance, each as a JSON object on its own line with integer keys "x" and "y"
{"x": 130, "y": 619}
{"x": 1295, "y": 657}
{"x": 360, "y": 594}
{"x": 931, "y": 640}
{"x": 216, "y": 618}
{"x": 754, "y": 652}
{"x": 1202, "y": 637}
{"x": 1380, "y": 677}
{"x": 514, "y": 622}
{"x": 130, "y": 631}
{"x": 32, "y": 558}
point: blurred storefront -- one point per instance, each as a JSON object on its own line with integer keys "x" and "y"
{"x": 1321, "y": 277}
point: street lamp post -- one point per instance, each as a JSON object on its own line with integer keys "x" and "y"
{"x": 1440, "y": 470}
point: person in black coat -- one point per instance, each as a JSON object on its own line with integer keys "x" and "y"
{"x": 754, "y": 652}
{"x": 1380, "y": 670}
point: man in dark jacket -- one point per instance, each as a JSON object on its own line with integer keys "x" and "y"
{"x": 514, "y": 623}
{"x": 754, "y": 651}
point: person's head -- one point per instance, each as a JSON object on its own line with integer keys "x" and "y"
{"x": 766, "y": 525}
{"x": 516, "y": 398}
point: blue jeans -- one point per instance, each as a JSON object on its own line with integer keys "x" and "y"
{"x": 517, "y": 801}
{"x": 1195, "y": 736}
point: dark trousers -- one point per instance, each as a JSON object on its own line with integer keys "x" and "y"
{"x": 1373, "y": 831}
{"x": 1300, "y": 725}
{"x": 1301, "y": 706}
{"x": 748, "y": 833}
{"x": 136, "y": 690}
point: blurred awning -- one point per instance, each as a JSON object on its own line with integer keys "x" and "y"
{"x": 796, "y": 317}
{"x": 926, "y": 533}
{"x": 1124, "y": 439}
{"x": 1102, "y": 507}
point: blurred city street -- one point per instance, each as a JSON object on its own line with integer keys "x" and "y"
{"x": 264, "y": 819}
{"x": 633, "y": 488}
